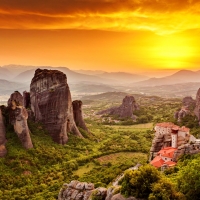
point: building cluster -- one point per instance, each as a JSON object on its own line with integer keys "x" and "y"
{"x": 171, "y": 139}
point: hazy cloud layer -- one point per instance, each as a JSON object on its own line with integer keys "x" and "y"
{"x": 160, "y": 16}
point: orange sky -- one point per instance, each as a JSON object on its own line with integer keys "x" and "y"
{"x": 112, "y": 35}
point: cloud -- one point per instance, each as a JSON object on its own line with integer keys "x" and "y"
{"x": 159, "y": 16}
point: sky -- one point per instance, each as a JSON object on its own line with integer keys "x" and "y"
{"x": 137, "y": 36}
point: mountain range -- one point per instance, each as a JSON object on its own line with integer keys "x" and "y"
{"x": 18, "y": 77}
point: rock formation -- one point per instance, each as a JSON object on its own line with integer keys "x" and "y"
{"x": 76, "y": 190}
{"x": 188, "y": 104}
{"x": 3, "y": 150}
{"x": 186, "y": 149}
{"x": 18, "y": 118}
{"x": 78, "y": 114}
{"x": 85, "y": 191}
{"x": 26, "y": 99}
{"x": 52, "y": 105}
{"x": 197, "y": 108}
{"x": 126, "y": 109}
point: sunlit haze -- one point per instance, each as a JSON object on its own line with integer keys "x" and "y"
{"x": 157, "y": 37}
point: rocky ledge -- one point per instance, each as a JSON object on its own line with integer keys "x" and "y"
{"x": 85, "y": 191}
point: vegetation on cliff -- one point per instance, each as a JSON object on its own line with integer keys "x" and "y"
{"x": 39, "y": 173}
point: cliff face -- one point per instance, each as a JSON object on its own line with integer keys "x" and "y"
{"x": 78, "y": 114}
{"x": 26, "y": 99}
{"x": 125, "y": 110}
{"x": 188, "y": 104}
{"x": 3, "y": 150}
{"x": 197, "y": 108}
{"x": 18, "y": 118}
{"x": 52, "y": 105}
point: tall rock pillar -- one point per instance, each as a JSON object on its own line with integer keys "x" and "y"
{"x": 18, "y": 118}
{"x": 52, "y": 105}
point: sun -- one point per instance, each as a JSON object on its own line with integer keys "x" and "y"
{"x": 174, "y": 51}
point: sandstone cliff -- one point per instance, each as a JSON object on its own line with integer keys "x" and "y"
{"x": 197, "y": 108}
{"x": 26, "y": 99}
{"x": 3, "y": 150}
{"x": 78, "y": 114}
{"x": 125, "y": 110}
{"x": 52, "y": 105}
{"x": 18, "y": 118}
{"x": 188, "y": 104}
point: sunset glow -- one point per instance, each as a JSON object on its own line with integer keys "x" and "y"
{"x": 112, "y": 35}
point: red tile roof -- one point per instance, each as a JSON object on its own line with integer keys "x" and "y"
{"x": 157, "y": 162}
{"x": 173, "y": 126}
{"x": 167, "y": 152}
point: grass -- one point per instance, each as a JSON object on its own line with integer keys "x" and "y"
{"x": 84, "y": 169}
{"x": 121, "y": 157}
{"x": 133, "y": 127}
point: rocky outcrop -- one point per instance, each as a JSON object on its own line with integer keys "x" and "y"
{"x": 188, "y": 105}
{"x": 85, "y": 191}
{"x": 3, "y": 150}
{"x": 197, "y": 108}
{"x": 126, "y": 109}
{"x": 52, "y": 105}
{"x": 26, "y": 99}
{"x": 76, "y": 190}
{"x": 18, "y": 118}
{"x": 78, "y": 114}
{"x": 186, "y": 149}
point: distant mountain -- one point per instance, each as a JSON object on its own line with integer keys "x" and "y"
{"x": 183, "y": 76}
{"x": 5, "y": 74}
{"x": 72, "y": 77}
{"x": 123, "y": 77}
{"x": 86, "y": 88}
{"x": 8, "y": 87}
{"x": 17, "y": 69}
{"x": 89, "y": 72}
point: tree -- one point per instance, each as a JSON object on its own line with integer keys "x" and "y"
{"x": 188, "y": 179}
{"x": 165, "y": 190}
{"x": 138, "y": 183}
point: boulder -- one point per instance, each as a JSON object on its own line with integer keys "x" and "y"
{"x": 125, "y": 110}
{"x": 78, "y": 114}
{"x": 51, "y": 104}
{"x": 18, "y": 118}
{"x": 76, "y": 190}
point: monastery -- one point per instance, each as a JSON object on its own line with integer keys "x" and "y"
{"x": 169, "y": 138}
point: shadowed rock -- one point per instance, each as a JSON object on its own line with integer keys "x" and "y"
{"x": 52, "y": 105}
{"x": 3, "y": 150}
{"x": 18, "y": 118}
{"x": 78, "y": 114}
{"x": 126, "y": 109}
{"x": 188, "y": 105}
{"x": 26, "y": 99}
{"x": 197, "y": 108}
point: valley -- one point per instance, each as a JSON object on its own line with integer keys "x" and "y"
{"x": 107, "y": 147}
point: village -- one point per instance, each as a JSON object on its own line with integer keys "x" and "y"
{"x": 169, "y": 143}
